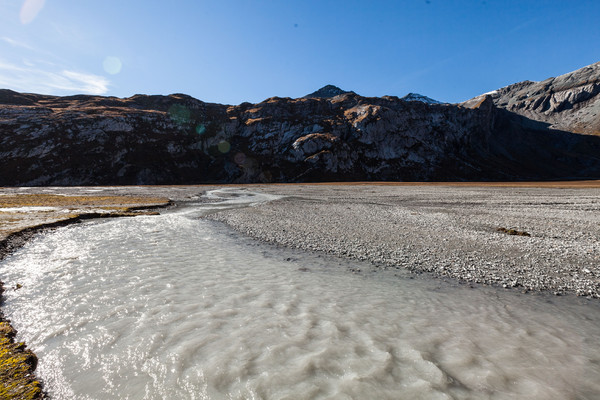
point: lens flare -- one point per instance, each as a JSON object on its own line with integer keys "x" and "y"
{"x": 30, "y": 10}
{"x": 112, "y": 65}
{"x": 224, "y": 146}
{"x": 240, "y": 158}
{"x": 180, "y": 113}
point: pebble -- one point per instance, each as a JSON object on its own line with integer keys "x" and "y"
{"x": 448, "y": 231}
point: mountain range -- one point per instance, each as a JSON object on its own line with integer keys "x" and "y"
{"x": 545, "y": 130}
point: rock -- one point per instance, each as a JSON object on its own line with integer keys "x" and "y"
{"x": 176, "y": 139}
{"x": 569, "y": 102}
{"x": 419, "y": 97}
{"x": 326, "y": 92}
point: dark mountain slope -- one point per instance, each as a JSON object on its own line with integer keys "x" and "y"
{"x": 327, "y": 92}
{"x": 176, "y": 139}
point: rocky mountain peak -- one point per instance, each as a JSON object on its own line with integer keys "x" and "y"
{"x": 327, "y": 92}
{"x": 420, "y": 97}
{"x": 569, "y": 102}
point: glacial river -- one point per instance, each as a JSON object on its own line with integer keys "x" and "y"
{"x": 177, "y": 307}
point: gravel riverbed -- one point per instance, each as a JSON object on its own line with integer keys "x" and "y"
{"x": 448, "y": 231}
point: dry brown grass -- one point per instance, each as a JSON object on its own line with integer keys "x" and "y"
{"x": 513, "y": 232}
{"x": 67, "y": 208}
{"x": 587, "y": 184}
{"x": 53, "y": 200}
{"x": 557, "y": 184}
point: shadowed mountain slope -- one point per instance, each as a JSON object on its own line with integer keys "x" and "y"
{"x": 327, "y": 92}
{"x": 176, "y": 139}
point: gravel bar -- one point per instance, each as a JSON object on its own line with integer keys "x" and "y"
{"x": 449, "y": 231}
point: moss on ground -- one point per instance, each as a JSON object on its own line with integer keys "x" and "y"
{"x": 17, "y": 364}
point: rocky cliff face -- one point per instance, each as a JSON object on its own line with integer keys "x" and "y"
{"x": 176, "y": 139}
{"x": 570, "y": 102}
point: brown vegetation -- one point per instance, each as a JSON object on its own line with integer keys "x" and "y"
{"x": 513, "y": 232}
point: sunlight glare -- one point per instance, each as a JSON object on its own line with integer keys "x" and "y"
{"x": 30, "y": 10}
{"x": 224, "y": 146}
{"x": 180, "y": 114}
{"x": 240, "y": 158}
{"x": 112, "y": 65}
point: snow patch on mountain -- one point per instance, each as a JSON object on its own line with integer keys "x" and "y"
{"x": 421, "y": 98}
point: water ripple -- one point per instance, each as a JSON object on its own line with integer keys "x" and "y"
{"x": 176, "y": 307}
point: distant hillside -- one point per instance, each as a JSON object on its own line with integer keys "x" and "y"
{"x": 522, "y": 132}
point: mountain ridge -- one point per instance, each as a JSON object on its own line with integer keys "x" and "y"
{"x": 419, "y": 97}
{"x": 177, "y": 139}
{"x": 568, "y": 102}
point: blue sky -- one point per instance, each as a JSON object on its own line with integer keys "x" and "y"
{"x": 230, "y": 51}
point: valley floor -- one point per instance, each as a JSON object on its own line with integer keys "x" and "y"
{"x": 456, "y": 230}
{"x": 525, "y": 236}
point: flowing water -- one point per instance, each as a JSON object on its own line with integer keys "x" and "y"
{"x": 176, "y": 307}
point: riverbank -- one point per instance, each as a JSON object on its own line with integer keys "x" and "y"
{"x": 22, "y": 215}
{"x": 520, "y": 237}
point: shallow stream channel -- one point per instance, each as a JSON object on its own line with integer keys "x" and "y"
{"x": 179, "y": 307}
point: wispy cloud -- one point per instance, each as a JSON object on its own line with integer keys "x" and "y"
{"x": 30, "y": 78}
{"x": 16, "y": 43}
{"x": 90, "y": 83}
{"x": 26, "y": 68}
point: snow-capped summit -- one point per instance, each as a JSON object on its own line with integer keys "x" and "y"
{"x": 420, "y": 97}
